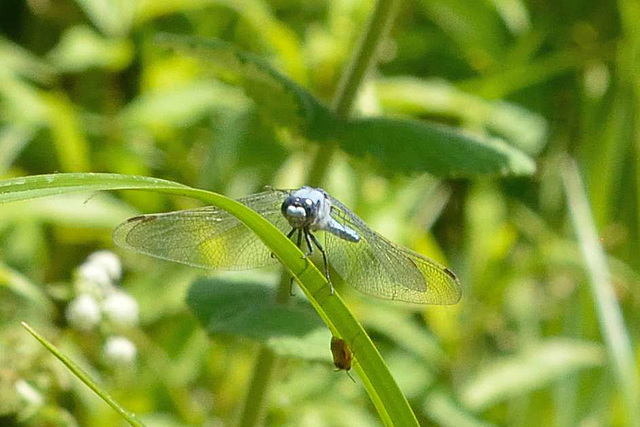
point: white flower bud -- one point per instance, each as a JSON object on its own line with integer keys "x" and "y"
{"x": 94, "y": 279}
{"x": 121, "y": 308}
{"x": 83, "y": 313}
{"x": 120, "y": 351}
{"x": 109, "y": 262}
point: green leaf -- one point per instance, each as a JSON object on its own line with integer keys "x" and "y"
{"x": 250, "y": 310}
{"x": 181, "y": 106}
{"x": 474, "y": 27}
{"x": 280, "y": 100}
{"x": 409, "y": 146}
{"x": 22, "y": 103}
{"x": 532, "y": 369}
{"x": 67, "y": 132}
{"x": 85, "y": 378}
{"x": 522, "y": 128}
{"x": 18, "y": 61}
{"x": 13, "y": 139}
{"x": 113, "y": 17}
{"x": 81, "y": 48}
{"x": 391, "y": 404}
{"x": 21, "y": 285}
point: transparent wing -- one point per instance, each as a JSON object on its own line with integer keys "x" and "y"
{"x": 206, "y": 237}
{"x": 378, "y": 267}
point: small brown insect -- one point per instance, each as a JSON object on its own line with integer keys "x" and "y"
{"x": 342, "y": 356}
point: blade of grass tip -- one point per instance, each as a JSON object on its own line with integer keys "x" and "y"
{"x": 85, "y": 378}
{"x": 607, "y": 308}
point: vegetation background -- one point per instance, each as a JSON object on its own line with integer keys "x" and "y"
{"x": 547, "y": 330}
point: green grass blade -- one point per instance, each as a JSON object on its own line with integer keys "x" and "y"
{"x": 85, "y": 378}
{"x": 612, "y": 325}
{"x": 391, "y": 404}
{"x": 21, "y": 285}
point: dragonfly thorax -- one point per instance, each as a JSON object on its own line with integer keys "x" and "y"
{"x": 306, "y": 208}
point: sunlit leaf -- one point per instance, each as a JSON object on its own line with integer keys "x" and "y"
{"x": 113, "y": 17}
{"x": 81, "y": 48}
{"x": 13, "y": 139}
{"x": 19, "y": 61}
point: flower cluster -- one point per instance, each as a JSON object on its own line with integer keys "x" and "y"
{"x": 100, "y": 302}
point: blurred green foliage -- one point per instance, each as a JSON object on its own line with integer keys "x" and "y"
{"x": 85, "y": 85}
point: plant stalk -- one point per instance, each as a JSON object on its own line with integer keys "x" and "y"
{"x": 352, "y": 78}
{"x": 365, "y": 57}
{"x": 254, "y": 403}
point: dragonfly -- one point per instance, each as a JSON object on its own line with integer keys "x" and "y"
{"x": 212, "y": 238}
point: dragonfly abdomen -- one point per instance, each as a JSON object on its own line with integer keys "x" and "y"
{"x": 343, "y": 232}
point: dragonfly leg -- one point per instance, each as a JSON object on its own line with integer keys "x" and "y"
{"x": 307, "y": 233}
{"x": 324, "y": 257}
{"x": 291, "y": 287}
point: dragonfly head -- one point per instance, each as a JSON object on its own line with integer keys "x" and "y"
{"x": 299, "y": 211}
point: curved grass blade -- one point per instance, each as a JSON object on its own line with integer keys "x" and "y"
{"x": 85, "y": 378}
{"x": 389, "y": 401}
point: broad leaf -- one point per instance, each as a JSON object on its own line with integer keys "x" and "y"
{"x": 410, "y": 146}
{"x": 249, "y": 309}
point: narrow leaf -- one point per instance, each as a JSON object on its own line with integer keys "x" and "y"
{"x": 85, "y": 378}
{"x": 532, "y": 369}
{"x": 612, "y": 325}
